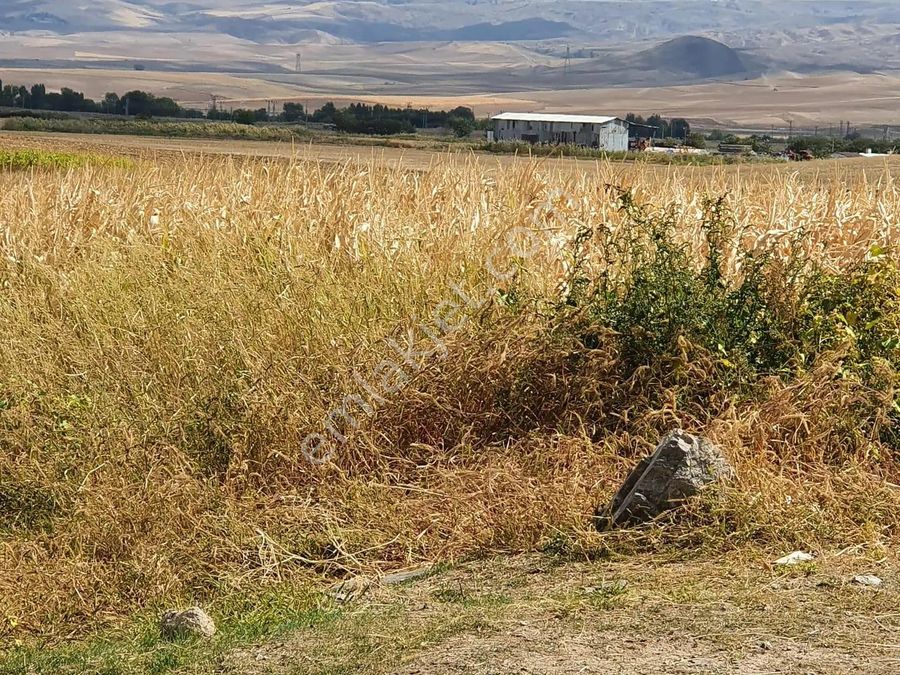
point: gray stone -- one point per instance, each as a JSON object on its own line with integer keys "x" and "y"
{"x": 193, "y": 622}
{"x": 680, "y": 467}
{"x": 867, "y": 580}
{"x": 406, "y": 575}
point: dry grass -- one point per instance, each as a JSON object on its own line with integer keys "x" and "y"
{"x": 173, "y": 331}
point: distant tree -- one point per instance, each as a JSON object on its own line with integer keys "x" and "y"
{"x": 38, "y": 96}
{"x": 696, "y": 140}
{"x": 462, "y": 113}
{"x": 761, "y": 144}
{"x": 137, "y": 103}
{"x": 242, "y": 116}
{"x": 325, "y": 114}
{"x": 660, "y": 127}
{"x": 292, "y": 112}
{"x": 462, "y": 126}
{"x": 164, "y": 107}
{"x": 111, "y": 103}
{"x": 679, "y": 128}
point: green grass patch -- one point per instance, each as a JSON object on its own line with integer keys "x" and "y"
{"x": 138, "y": 648}
{"x": 22, "y": 160}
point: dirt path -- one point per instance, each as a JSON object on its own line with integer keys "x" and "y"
{"x": 530, "y": 614}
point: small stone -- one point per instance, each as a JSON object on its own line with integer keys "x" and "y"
{"x": 193, "y": 622}
{"x": 867, "y": 580}
{"x": 764, "y": 645}
{"x": 796, "y": 558}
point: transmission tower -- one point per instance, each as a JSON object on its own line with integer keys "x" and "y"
{"x": 299, "y": 64}
{"x": 568, "y": 62}
{"x": 214, "y": 102}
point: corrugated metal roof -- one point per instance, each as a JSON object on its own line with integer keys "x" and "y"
{"x": 548, "y": 117}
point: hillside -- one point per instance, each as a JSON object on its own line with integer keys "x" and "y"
{"x": 693, "y": 56}
{"x": 496, "y": 20}
{"x": 462, "y": 47}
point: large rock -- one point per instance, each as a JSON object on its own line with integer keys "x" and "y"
{"x": 681, "y": 466}
{"x": 193, "y": 622}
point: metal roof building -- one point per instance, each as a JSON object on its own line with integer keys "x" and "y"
{"x": 596, "y": 131}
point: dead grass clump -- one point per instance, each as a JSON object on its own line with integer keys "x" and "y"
{"x": 172, "y": 334}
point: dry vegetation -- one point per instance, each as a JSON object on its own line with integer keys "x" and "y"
{"x": 173, "y": 330}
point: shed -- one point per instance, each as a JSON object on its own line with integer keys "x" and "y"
{"x": 594, "y": 131}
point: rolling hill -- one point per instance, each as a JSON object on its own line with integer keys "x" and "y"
{"x": 451, "y": 47}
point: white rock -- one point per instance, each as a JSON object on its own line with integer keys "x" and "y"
{"x": 796, "y": 558}
{"x": 191, "y": 622}
{"x": 867, "y": 580}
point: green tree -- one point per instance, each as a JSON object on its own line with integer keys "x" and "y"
{"x": 38, "y": 96}
{"x": 292, "y": 112}
{"x": 242, "y": 116}
{"x": 680, "y": 128}
{"x": 462, "y": 126}
{"x": 111, "y": 103}
{"x": 696, "y": 140}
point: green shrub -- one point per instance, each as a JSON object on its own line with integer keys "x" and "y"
{"x": 759, "y": 313}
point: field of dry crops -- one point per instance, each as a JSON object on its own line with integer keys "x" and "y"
{"x": 466, "y": 347}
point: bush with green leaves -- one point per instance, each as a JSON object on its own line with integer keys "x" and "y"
{"x": 758, "y": 311}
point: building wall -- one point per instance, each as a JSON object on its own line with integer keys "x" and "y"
{"x": 612, "y": 136}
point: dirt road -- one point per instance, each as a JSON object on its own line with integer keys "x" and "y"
{"x": 532, "y": 614}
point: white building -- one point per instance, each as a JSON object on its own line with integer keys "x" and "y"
{"x": 593, "y": 131}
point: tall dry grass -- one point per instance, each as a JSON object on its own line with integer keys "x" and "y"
{"x": 172, "y": 332}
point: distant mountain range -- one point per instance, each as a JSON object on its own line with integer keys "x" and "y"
{"x": 606, "y": 42}
{"x": 424, "y": 20}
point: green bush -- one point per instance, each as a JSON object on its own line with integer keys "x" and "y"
{"x": 777, "y": 315}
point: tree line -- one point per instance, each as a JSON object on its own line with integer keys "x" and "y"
{"x": 361, "y": 118}
{"x": 358, "y": 118}
{"x": 657, "y": 126}
{"x": 139, "y": 103}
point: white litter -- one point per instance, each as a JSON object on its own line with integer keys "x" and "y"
{"x": 795, "y": 558}
{"x": 867, "y": 580}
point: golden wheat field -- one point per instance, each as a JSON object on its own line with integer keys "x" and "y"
{"x": 219, "y": 373}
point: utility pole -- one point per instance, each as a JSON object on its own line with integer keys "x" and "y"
{"x": 214, "y": 105}
{"x": 790, "y": 129}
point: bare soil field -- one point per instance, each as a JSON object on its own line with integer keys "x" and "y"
{"x": 532, "y": 615}
{"x": 808, "y": 101}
